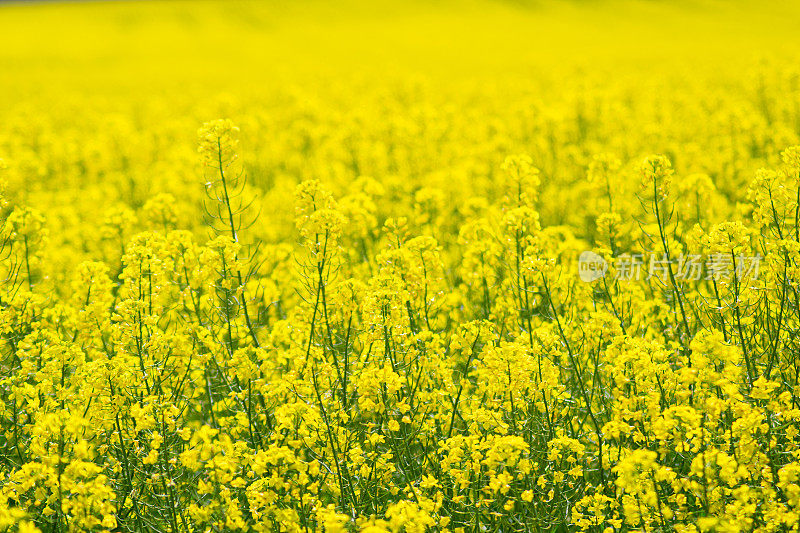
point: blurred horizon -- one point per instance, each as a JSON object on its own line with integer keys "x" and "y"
{"x": 177, "y": 42}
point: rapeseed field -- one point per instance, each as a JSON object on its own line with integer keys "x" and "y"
{"x": 459, "y": 267}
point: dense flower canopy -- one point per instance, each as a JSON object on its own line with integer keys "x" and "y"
{"x": 545, "y": 282}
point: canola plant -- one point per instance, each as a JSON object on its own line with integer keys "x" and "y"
{"x": 379, "y": 267}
